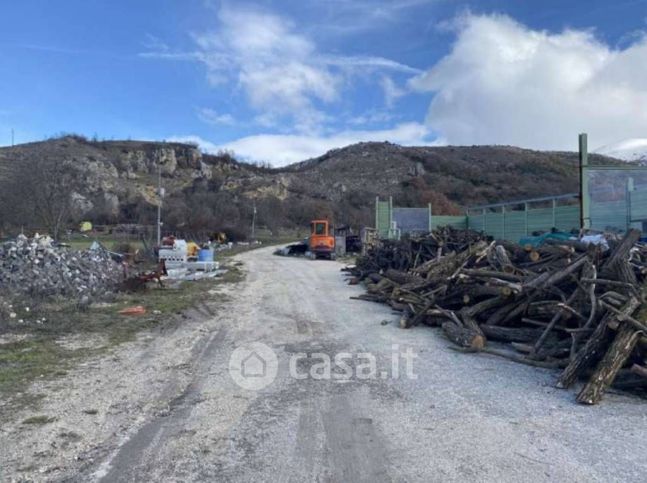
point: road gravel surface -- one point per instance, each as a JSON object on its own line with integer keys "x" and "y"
{"x": 168, "y": 408}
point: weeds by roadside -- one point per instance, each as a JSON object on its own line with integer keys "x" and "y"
{"x": 31, "y": 349}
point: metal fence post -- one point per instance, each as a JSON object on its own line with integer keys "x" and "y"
{"x": 629, "y": 189}
{"x": 525, "y": 217}
{"x": 554, "y": 214}
{"x": 431, "y": 223}
{"x": 377, "y": 215}
{"x": 585, "y": 215}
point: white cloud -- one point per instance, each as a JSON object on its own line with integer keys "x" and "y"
{"x": 355, "y": 61}
{"x": 349, "y": 17}
{"x": 152, "y": 42}
{"x": 503, "y": 83}
{"x": 371, "y": 117}
{"x": 283, "y": 74}
{"x": 280, "y": 150}
{"x": 271, "y": 63}
{"x": 391, "y": 91}
{"x": 211, "y": 116}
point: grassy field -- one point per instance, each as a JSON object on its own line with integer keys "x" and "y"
{"x": 81, "y": 242}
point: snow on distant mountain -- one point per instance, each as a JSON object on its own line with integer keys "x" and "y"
{"x": 627, "y": 150}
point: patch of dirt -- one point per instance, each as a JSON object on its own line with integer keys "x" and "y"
{"x": 89, "y": 406}
{"x": 13, "y": 338}
{"x": 75, "y": 342}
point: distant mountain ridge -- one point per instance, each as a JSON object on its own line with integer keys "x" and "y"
{"x": 217, "y": 190}
{"x": 634, "y": 150}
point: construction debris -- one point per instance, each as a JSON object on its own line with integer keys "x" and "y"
{"x": 36, "y": 267}
{"x": 567, "y": 304}
{"x": 135, "y": 310}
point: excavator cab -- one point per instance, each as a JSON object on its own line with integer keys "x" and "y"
{"x": 321, "y": 243}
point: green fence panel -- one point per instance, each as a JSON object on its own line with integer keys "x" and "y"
{"x": 475, "y": 222}
{"x": 515, "y": 225}
{"x": 383, "y": 218}
{"x": 459, "y": 222}
{"x": 567, "y": 218}
{"x": 494, "y": 225}
{"x": 638, "y": 205}
{"x": 540, "y": 219}
{"x": 608, "y": 215}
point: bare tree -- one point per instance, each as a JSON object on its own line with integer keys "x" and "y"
{"x": 40, "y": 193}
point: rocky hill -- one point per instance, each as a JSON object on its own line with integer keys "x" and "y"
{"x": 116, "y": 180}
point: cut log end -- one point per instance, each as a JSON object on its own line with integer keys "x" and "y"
{"x": 463, "y": 337}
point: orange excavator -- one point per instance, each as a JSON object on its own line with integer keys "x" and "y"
{"x": 321, "y": 243}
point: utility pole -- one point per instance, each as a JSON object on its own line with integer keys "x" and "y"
{"x": 160, "y": 194}
{"x": 254, "y": 222}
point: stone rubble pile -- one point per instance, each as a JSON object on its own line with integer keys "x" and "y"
{"x": 36, "y": 267}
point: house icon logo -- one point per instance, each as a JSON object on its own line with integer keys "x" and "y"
{"x": 253, "y": 366}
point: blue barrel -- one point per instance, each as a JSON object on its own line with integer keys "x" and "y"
{"x": 205, "y": 255}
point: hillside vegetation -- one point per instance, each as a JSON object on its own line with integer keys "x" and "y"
{"x": 71, "y": 178}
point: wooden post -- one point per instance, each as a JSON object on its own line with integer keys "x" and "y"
{"x": 503, "y": 222}
{"x": 525, "y": 216}
{"x": 554, "y": 213}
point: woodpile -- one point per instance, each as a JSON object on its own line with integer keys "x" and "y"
{"x": 565, "y": 305}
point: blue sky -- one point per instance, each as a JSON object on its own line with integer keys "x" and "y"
{"x": 284, "y": 80}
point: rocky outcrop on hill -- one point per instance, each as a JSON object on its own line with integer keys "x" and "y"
{"x": 120, "y": 179}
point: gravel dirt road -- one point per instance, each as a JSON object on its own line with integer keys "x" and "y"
{"x": 167, "y": 409}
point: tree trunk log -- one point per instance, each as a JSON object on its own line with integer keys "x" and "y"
{"x": 463, "y": 336}
{"x": 510, "y": 334}
{"x": 618, "y": 353}
{"x": 590, "y": 352}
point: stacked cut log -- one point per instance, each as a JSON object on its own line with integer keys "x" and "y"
{"x": 565, "y": 305}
